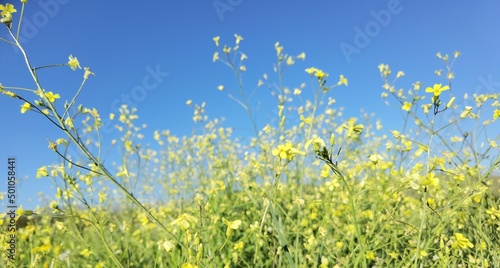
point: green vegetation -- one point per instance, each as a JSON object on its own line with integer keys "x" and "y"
{"x": 319, "y": 191}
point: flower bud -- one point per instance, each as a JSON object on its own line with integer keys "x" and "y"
{"x": 450, "y": 102}
{"x": 7, "y": 21}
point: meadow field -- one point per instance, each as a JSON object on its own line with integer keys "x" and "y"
{"x": 311, "y": 188}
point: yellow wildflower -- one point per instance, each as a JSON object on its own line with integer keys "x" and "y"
{"x": 286, "y": 151}
{"x": 375, "y": 158}
{"x": 184, "y": 221}
{"x": 320, "y": 74}
{"x": 466, "y": 112}
{"x": 429, "y": 180}
{"x": 495, "y": 213}
{"x": 86, "y": 252}
{"x": 231, "y": 225}
{"x": 73, "y": 63}
{"x": 311, "y": 70}
{"x": 496, "y": 114}
{"x": 417, "y": 85}
{"x": 42, "y": 172}
{"x": 123, "y": 172}
{"x": 216, "y": 40}
{"x": 318, "y": 143}
{"x": 51, "y": 96}
{"x": 87, "y": 73}
{"x": 342, "y": 80}
{"x": 437, "y": 89}
{"x": 243, "y": 56}
{"x": 325, "y": 171}
{"x": 278, "y": 48}
{"x": 384, "y": 69}
{"x": 304, "y": 121}
{"x": 168, "y": 245}
{"x": 238, "y": 38}
{"x": 352, "y": 129}
{"x": 25, "y": 107}
{"x": 406, "y": 106}
{"x": 102, "y": 197}
{"x": 267, "y": 129}
{"x": 460, "y": 241}
{"x": 370, "y": 255}
{"x": 7, "y": 10}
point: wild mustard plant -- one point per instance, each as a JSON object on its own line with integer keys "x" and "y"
{"x": 46, "y": 106}
{"x": 310, "y": 188}
{"x": 446, "y": 170}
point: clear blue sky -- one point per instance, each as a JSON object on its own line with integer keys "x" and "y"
{"x": 120, "y": 40}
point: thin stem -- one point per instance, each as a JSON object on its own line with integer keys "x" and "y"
{"x": 18, "y": 88}
{"x": 75, "y": 164}
{"x": 20, "y": 21}
{"x": 50, "y": 66}
{"x": 7, "y": 41}
{"x": 74, "y": 98}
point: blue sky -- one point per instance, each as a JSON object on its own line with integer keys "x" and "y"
{"x": 124, "y": 42}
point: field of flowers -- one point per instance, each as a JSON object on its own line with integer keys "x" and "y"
{"x": 316, "y": 191}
